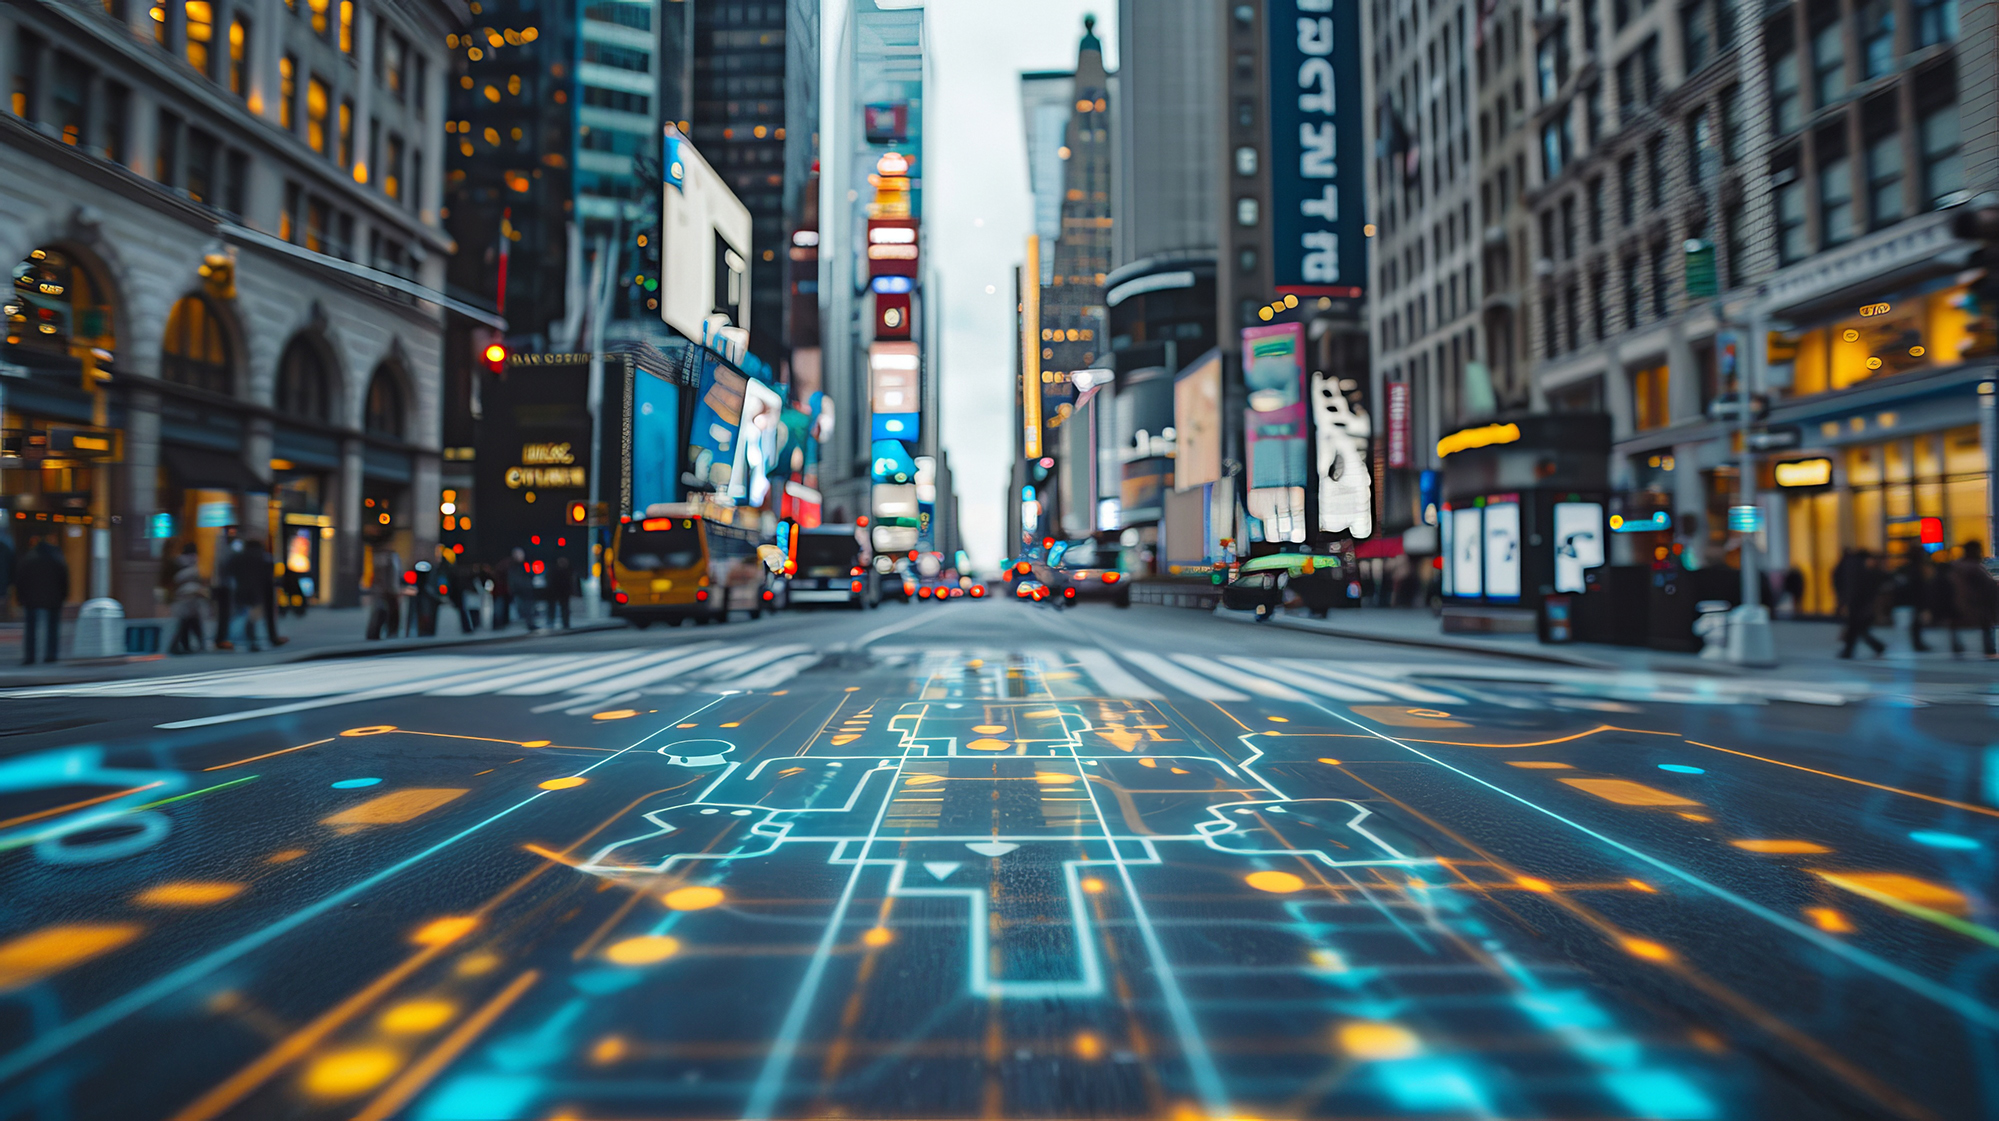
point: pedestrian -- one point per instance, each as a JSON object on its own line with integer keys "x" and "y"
{"x": 452, "y": 578}
{"x": 255, "y": 592}
{"x": 1861, "y": 588}
{"x": 561, "y": 585}
{"x": 385, "y": 597}
{"x": 1842, "y": 574}
{"x": 1912, "y": 590}
{"x": 222, "y": 586}
{"x": 1974, "y": 599}
{"x": 41, "y": 583}
{"x": 503, "y": 601}
{"x": 1794, "y": 590}
{"x": 188, "y": 593}
{"x": 6, "y": 571}
{"x": 520, "y": 587}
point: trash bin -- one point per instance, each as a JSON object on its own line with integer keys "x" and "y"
{"x": 1557, "y": 625}
{"x": 100, "y": 629}
{"x": 1711, "y": 626}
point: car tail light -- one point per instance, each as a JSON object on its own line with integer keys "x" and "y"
{"x": 1068, "y": 593}
{"x": 1110, "y": 577}
{"x": 769, "y": 596}
{"x": 854, "y": 571}
{"x": 621, "y": 597}
{"x": 857, "y": 587}
{"x": 978, "y": 593}
{"x": 908, "y": 588}
{"x": 701, "y": 595}
{"x": 923, "y": 593}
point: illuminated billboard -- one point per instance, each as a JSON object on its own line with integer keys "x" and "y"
{"x": 1343, "y": 431}
{"x": 1317, "y": 151}
{"x": 1274, "y": 428}
{"x": 704, "y": 243}
{"x": 756, "y": 444}
{"x": 1197, "y": 423}
{"x": 718, "y": 411}
{"x": 655, "y": 440}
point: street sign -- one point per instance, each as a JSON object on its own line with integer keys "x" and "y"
{"x": 1781, "y": 438}
{"x": 1745, "y": 519}
{"x": 1701, "y": 281}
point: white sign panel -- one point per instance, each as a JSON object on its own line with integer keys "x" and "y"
{"x": 704, "y": 244}
{"x": 1578, "y": 543}
{"x": 756, "y": 445}
{"x": 1467, "y": 560}
{"x": 1502, "y": 550}
{"x": 1346, "y": 478}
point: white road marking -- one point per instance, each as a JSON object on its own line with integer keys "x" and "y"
{"x": 1112, "y": 677}
{"x": 1181, "y": 679}
{"x": 1254, "y": 682}
{"x": 1287, "y": 672}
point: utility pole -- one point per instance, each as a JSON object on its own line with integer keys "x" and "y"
{"x": 600, "y": 309}
{"x": 1750, "y": 639}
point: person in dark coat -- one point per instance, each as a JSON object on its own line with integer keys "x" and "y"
{"x": 255, "y": 592}
{"x": 1860, "y": 589}
{"x": 385, "y": 596}
{"x": 222, "y": 589}
{"x": 520, "y": 587}
{"x": 41, "y": 583}
{"x": 188, "y": 591}
{"x": 455, "y": 580}
{"x": 1912, "y": 590}
{"x": 561, "y": 585}
{"x": 1974, "y": 599}
{"x": 1794, "y": 589}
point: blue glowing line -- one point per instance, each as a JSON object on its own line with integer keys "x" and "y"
{"x": 1944, "y": 840}
{"x": 56, "y": 1041}
{"x": 1979, "y": 1014}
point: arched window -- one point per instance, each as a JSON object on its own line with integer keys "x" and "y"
{"x": 302, "y": 383}
{"x": 385, "y": 404}
{"x": 195, "y": 351}
{"x": 52, "y": 301}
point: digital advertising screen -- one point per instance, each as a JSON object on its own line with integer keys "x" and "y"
{"x": 656, "y": 443}
{"x": 1502, "y": 550}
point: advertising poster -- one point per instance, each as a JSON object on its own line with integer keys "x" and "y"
{"x": 655, "y": 441}
{"x": 1316, "y": 147}
{"x": 718, "y": 412}
{"x": 705, "y": 232}
{"x": 1274, "y": 374}
{"x": 1343, "y": 432}
{"x": 1502, "y": 550}
{"x": 1467, "y": 554}
{"x": 1197, "y": 422}
{"x": 1398, "y": 423}
{"x": 1578, "y": 543}
{"x": 756, "y": 444}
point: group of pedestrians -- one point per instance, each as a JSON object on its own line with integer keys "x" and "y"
{"x": 409, "y": 602}
{"x": 1958, "y": 595}
{"x": 242, "y": 586}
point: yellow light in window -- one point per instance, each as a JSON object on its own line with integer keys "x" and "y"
{"x": 492, "y": 135}
{"x": 383, "y": 518}
{"x": 1850, "y": 335}
{"x": 1873, "y": 363}
{"x": 513, "y": 37}
{"x": 465, "y": 81}
{"x": 529, "y": 35}
{"x": 1264, "y": 314}
{"x": 760, "y": 131}
{"x": 514, "y": 84}
{"x": 475, "y": 54}
{"x": 1916, "y": 352}
{"x": 492, "y": 93}
{"x": 495, "y": 39}
{"x": 516, "y": 133}
{"x": 464, "y": 147}
{"x": 361, "y": 172}
{"x": 451, "y": 40}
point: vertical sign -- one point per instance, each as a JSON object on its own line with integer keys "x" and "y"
{"x": 1343, "y": 429}
{"x": 1030, "y": 349}
{"x": 1316, "y": 160}
{"x": 1197, "y": 419}
{"x": 1398, "y": 423}
{"x": 1274, "y": 428}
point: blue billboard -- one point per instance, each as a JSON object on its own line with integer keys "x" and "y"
{"x": 1317, "y": 162}
{"x": 656, "y": 439}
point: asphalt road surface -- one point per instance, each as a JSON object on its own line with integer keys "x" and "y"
{"x": 988, "y": 859}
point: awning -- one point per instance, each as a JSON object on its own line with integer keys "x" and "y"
{"x": 200, "y": 467}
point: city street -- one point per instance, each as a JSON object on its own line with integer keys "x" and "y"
{"x": 992, "y": 859}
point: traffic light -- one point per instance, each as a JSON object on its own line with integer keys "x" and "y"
{"x": 490, "y": 350}
{"x": 578, "y": 513}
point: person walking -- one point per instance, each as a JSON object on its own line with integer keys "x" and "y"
{"x": 1974, "y": 599}
{"x": 255, "y": 593}
{"x": 520, "y": 587}
{"x": 41, "y": 583}
{"x": 1912, "y": 590}
{"x": 385, "y": 597}
{"x": 188, "y": 592}
{"x": 1861, "y": 588}
{"x": 222, "y": 586}
{"x": 452, "y": 578}
{"x": 561, "y": 585}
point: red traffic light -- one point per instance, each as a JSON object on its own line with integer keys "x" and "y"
{"x": 578, "y": 512}
{"x": 494, "y": 355}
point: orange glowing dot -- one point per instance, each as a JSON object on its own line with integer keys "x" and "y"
{"x": 1278, "y": 883}
{"x": 615, "y": 714}
{"x": 692, "y": 898}
{"x": 878, "y": 936}
{"x": 1829, "y": 920}
{"x": 371, "y": 730}
{"x": 476, "y": 964}
{"x": 1377, "y": 1040}
{"x": 683, "y": 725}
{"x": 646, "y": 949}
{"x": 1697, "y": 817}
{"x": 1780, "y": 847}
{"x": 188, "y": 893}
{"x": 1088, "y": 1046}
{"x": 414, "y": 1017}
{"x": 1093, "y": 885}
{"x": 733, "y": 724}
{"x": 570, "y": 783}
{"x": 1641, "y": 885}
{"x": 1330, "y": 762}
{"x": 438, "y": 932}
{"x": 1532, "y": 884}
{"x": 989, "y": 729}
{"x": 989, "y": 745}
{"x": 1650, "y": 951}
{"x": 535, "y": 743}
{"x": 609, "y": 1050}
{"x": 1278, "y": 719}
{"x": 344, "y": 1073}
{"x": 284, "y": 856}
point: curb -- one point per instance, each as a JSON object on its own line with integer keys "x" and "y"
{"x": 1333, "y": 631}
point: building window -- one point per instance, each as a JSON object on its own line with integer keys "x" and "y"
{"x": 315, "y": 225}
{"x": 166, "y": 149}
{"x": 389, "y": 63}
{"x": 117, "y": 109}
{"x": 1592, "y": 26}
{"x": 345, "y": 122}
{"x": 384, "y": 415}
{"x": 1627, "y": 188}
{"x": 199, "y": 18}
{"x": 1551, "y": 62}
{"x": 1731, "y": 124}
{"x": 1702, "y": 159}
{"x": 1943, "y": 164}
{"x": 1877, "y": 38}
{"x": 316, "y": 14}
{"x": 287, "y": 90}
{"x": 316, "y": 107}
{"x": 1572, "y": 315}
{"x": 69, "y": 100}
{"x": 302, "y": 383}
{"x": 288, "y": 217}
{"x": 1731, "y": 232}
{"x": 201, "y": 155}
{"x": 415, "y": 191}
{"x": 392, "y": 168}
{"x": 1829, "y": 62}
{"x": 239, "y": 56}
{"x": 1650, "y": 402}
{"x": 1655, "y": 158}
{"x": 1592, "y": 97}
{"x": 1569, "y": 228}
{"x": 1791, "y": 242}
{"x": 1662, "y": 289}
{"x": 347, "y": 27}
{"x": 1694, "y": 36}
{"x": 195, "y": 351}
{"x": 1786, "y": 95}
{"x": 1599, "y": 307}
{"x": 1633, "y": 290}
{"x": 1555, "y": 146}
{"x": 1884, "y": 175}
{"x": 1550, "y": 330}
{"x": 1936, "y": 21}
{"x": 236, "y": 183}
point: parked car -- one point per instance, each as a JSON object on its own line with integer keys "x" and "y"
{"x": 1084, "y": 569}
{"x": 1263, "y": 583}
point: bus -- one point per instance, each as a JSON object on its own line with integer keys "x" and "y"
{"x": 835, "y": 565}
{"x": 674, "y": 564}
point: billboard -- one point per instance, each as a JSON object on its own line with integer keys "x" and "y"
{"x": 756, "y": 444}
{"x": 1316, "y": 147}
{"x": 704, "y": 243}
{"x": 1030, "y": 349}
{"x": 718, "y": 411}
{"x": 1502, "y": 550}
{"x": 656, "y": 446}
{"x": 1343, "y": 431}
{"x": 1274, "y": 374}
{"x": 1197, "y": 423}
{"x": 1398, "y": 423}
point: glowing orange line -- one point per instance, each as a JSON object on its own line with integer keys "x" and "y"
{"x": 554, "y": 856}
{"x": 1860, "y": 781}
{"x": 74, "y": 805}
{"x": 411, "y": 1081}
{"x": 1547, "y": 743}
{"x": 267, "y": 755}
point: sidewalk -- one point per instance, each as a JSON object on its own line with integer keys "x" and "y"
{"x": 1806, "y": 649}
{"x": 322, "y": 633}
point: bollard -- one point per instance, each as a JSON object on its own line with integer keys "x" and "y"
{"x": 100, "y": 629}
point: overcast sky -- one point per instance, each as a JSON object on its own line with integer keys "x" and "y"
{"x": 977, "y": 216}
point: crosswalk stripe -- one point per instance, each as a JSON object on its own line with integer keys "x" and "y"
{"x": 1254, "y": 682}
{"x": 737, "y": 666}
{"x": 774, "y": 674}
{"x": 1112, "y": 677}
{"x": 1181, "y": 679}
{"x": 1367, "y": 680}
{"x": 1287, "y": 672}
{"x": 639, "y": 679}
{"x": 572, "y": 682}
{"x": 542, "y": 668}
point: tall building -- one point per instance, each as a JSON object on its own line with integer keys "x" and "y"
{"x": 1169, "y": 159}
{"x": 228, "y": 295}
{"x": 620, "y": 89}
